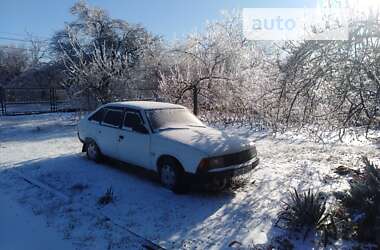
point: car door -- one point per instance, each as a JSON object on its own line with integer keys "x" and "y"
{"x": 134, "y": 140}
{"x": 109, "y": 131}
{"x": 90, "y": 128}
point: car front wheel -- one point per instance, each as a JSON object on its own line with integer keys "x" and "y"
{"x": 172, "y": 176}
{"x": 93, "y": 152}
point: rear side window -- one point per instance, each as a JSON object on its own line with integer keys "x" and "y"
{"x": 98, "y": 116}
{"x": 113, "y": 118}
{"x": 132, "y": 119}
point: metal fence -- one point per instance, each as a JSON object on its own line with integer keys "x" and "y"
{"x": 16, "y": 101}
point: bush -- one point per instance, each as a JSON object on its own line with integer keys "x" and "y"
{"x": 362, "y": 203}
{"x": 239, "y": 182}
{"x": 304, "y": 212}
{"x": 107, "y": 198}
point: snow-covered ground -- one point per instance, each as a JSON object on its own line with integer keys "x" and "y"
{"x": 20, "y": 229}
{"x": 45, "y": 149}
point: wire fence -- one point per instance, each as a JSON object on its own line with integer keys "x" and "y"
{"x": 15, "y": 101}
{"x": 20, "y": 101}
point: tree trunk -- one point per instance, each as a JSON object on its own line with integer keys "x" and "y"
{"x": 195, "y": 100}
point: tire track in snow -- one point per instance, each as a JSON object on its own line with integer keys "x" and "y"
{"x": 146, "y": 243}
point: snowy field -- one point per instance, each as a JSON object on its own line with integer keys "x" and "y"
{"x": 45, "y": 150}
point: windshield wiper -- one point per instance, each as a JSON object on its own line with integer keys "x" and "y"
{"x": 196, "y": 126}
{"x": 170, "y": 128}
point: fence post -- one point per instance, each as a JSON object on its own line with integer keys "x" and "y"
{"x": 54, "y": 100}
{"x": 53, "y": 104}
{"x": 50, "y": 100}
{"x": 1, "y": 100}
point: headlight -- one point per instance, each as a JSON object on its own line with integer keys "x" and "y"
{"x": 216, "y": 162}
{"x": 210, "y": 163}
{"x": 203, "y": 165}
{"x": 253, "y": 151}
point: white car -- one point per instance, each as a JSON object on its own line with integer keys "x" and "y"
{"x": 166, "y": 138}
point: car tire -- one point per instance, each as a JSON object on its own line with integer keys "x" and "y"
{"x": 172, "y": 175}
{"x": 92, "y": 151}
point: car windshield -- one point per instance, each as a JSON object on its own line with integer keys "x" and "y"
{"x": 172, "y": 118}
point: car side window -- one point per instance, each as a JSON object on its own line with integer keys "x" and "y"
{"x": 98, "y": 116}
{"x": 113, "y": 118}
{"x": 132, "y": 119}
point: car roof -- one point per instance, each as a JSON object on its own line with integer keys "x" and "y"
{"x": 144, "y": 105}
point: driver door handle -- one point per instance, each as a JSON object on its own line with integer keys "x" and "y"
{"x": 121, "y": 137}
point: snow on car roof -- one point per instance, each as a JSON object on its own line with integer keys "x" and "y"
{"x": 145, "y": 105}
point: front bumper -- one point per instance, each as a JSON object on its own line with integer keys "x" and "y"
{"x": 227, "y": 172}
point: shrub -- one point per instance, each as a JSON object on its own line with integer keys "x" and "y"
{"x": 239, "y": 182}
{"x": 107, "y": 198}
{"x": 304, "y": 212}
{"x": 363, "y": 203}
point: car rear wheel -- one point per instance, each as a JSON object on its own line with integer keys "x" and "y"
{"x": 171, "y": 175}
{"x": 93, "y": 152}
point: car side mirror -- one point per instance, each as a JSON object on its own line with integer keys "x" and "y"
{"x": 140, "y": 129}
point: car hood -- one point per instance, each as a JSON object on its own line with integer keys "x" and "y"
{"x": 212, "y": 142}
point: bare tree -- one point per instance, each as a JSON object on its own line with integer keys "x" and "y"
{"x": 103, "y": 57}
{"x": 37, "y": 50}
{"x": 332, "y": 84}
{"x": 13, "y": 61}
{"x": 207, "y": 67}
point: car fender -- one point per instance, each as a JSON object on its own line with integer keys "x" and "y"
{"x": 188, "y": 156}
